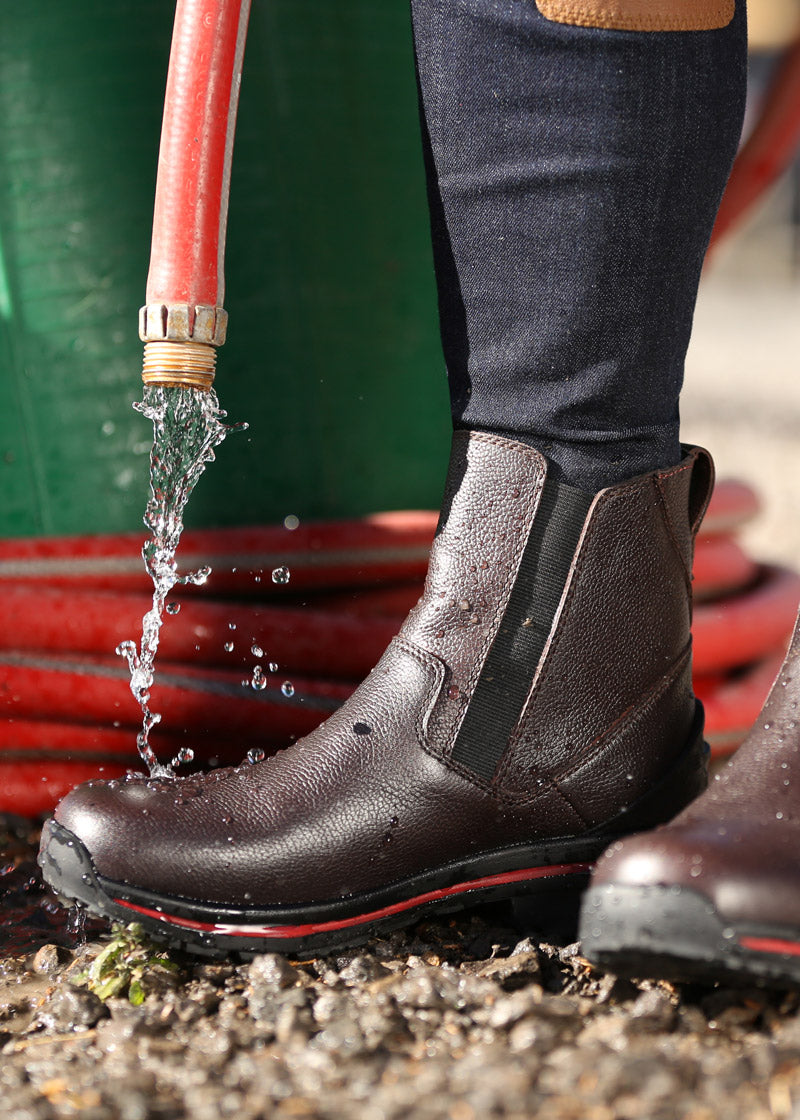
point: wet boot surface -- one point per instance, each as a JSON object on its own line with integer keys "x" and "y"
{"x": 463, "y": 1018}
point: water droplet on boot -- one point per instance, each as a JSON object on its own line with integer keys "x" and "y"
{"x": 258, "y": 680}
{"x": 281, "y": 575}
{"x": 287, "y": 688}
{"x": 256, "y": 754}
{"x": 273, "y": 666}
{"x": 228, "y": 647}
{"x": 185, "y": 754}
{"x": 231, "y": 625}
{"x": 256, "y": 650}
{"x": 173, "y": 608}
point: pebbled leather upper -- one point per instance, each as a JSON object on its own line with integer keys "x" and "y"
{"x": 373, "y": 796}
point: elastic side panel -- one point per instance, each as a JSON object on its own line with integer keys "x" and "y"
{"x": 508, "y": 671}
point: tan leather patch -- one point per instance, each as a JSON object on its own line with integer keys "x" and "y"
{"x": 641, "y": 15}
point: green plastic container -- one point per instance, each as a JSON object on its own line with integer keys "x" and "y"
{"x": 333, "y": 353}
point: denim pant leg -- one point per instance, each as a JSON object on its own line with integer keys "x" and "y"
{"x": 574, "y": 175}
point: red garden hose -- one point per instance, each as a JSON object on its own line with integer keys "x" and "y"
{"x": 721, "y": 566}
{"x": 747, "y": 627}
{"x": 327, "y": 554}
{"x": 204, "y": 632}
{"x": 183, "y": 320}
{"x": 206, "y": 703}
{"x": 733, "y": 702}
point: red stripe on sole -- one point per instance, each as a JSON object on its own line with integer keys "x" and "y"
{"x": 229, "y": 930}
{"x": 770, "y": 945}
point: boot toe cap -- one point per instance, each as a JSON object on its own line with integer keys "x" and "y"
{"x": 108, "y": 818}
{"x": 748, "y": 870}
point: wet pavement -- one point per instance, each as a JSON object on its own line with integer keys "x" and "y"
{"x": 463, "y": 1019}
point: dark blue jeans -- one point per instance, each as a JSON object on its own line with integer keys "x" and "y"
{"x": 574, "y": 175}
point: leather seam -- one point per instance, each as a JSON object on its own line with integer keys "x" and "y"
{"x": 666, "y": 517}
{"x": 629, "y": 716}
{"x": 700, "y": 453}
{"x": 488, "y": 787}
{"x": 596, "y": 747}
{"x": 428, "y": 661}
{"x": 500, "y": 441}
{"x": 562, "y": 619}
{"x": 549, "y": 785}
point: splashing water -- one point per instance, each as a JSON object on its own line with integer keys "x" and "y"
{"x": 187, "y": 426}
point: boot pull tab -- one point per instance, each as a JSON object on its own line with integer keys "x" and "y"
{"x": 701, "y": 487}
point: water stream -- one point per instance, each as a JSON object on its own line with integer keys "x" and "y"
{"x": 187, "y": 425}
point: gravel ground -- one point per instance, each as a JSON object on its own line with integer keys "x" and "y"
{"x": 463, "y": 1019}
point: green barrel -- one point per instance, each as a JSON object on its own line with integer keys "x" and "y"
{"x": 333, "y": 354}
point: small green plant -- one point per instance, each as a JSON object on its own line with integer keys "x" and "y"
{"x": 129, "y": 964}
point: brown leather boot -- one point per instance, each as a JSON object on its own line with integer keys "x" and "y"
{"x": 716, "y": 893}
{"x": 536, "y": 704}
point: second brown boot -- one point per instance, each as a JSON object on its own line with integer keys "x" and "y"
{"x": 536, "y": 704}
{"x": 716, "y": 893}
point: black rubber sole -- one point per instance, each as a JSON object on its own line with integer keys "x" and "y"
{"x": 675, "y": 933}
{"x": 216, "y": 930}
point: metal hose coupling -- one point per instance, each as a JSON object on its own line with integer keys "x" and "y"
{"x": 181, "y": 343}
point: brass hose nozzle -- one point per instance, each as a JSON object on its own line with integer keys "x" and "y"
{"x": 181, "y": 344}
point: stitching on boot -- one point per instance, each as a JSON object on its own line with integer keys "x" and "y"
{"x": 428, "y": 661}
{"x": 631, "y": 715}
{"x": 641, "y": 15}
{"x": 501, "y": 441}
{"x": 562, "y": 615}
{"x": 599, "y": 744}
{"x": 556, "y": 637}
{"x": 670, "y": 527}
{"x": 550, "y": 785}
